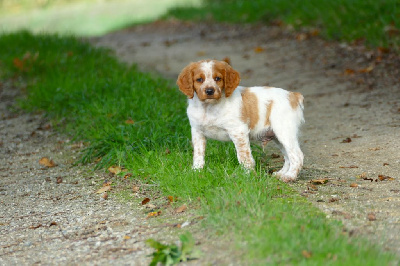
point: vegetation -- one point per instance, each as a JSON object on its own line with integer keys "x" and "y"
{"x": 376, "y": 22}
{"x": 138, "y": 121}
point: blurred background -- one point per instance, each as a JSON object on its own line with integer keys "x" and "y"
{"x": 81, "y": 17}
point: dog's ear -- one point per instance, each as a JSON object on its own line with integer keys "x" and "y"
{"x": 185, "y": 81}
{"x": 232, "y": 79}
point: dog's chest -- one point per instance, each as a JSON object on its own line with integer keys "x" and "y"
{"x": 212, "y": 123}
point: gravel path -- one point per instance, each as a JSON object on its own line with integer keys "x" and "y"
{"x": 52, "y": 215}
{"x": 352, "y": 108}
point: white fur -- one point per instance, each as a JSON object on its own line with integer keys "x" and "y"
{"x": 221, "y": 120}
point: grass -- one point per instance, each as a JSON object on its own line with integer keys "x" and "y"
{"x": 376, "y": 22}
{"x": 81, "y": 17}
{"x": 89, "y": 94}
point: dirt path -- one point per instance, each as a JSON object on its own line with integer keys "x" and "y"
{"x": 352, "y": 108}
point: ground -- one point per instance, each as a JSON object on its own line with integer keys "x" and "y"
{"x": 350, "y": 141}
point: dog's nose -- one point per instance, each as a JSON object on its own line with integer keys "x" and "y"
{"x": 210, "y": 91}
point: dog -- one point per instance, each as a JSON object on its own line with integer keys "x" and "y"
{"x": 221, "y": 109}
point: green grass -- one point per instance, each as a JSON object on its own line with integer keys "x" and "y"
{"x": 376, "y": 22}
{"x": 89, "y": 94}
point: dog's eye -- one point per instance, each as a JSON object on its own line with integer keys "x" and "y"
{"x": 217, "y": 78}
{"x": 199, "y": 80}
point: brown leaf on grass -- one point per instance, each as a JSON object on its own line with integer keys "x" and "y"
{"x": 135, "y": 189}
{"x": 129, "y": 122}
{"x": 333, "y": 199}
{"x": 145, "y": 201}
{"x": 18, "y": 63}
{"x": 47, "y": 162}
{"x": 306, "y": 254}
{"x": 59, "y": 180}
{"x": 153, "y": 214}
{"x": 181, "y": 209}
{"x": 170, "y": 199}
{"x": 114, "y": 169}
{"x": 371, "y": 216}
{"x": 126, "y": 176}
{"x": 320, "y": 181}
{"x": 385, "y": 177}
{"x": 103, "y": 189}
{"x": 353, "y": 185}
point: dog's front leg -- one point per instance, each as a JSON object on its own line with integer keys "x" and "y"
{"x": 243, "y": 150}
{"x": 199, "y": 148}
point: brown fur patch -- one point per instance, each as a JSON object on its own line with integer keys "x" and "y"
{"x": 268, "y": 114}
{"x": 249, "y": 108}
{"x": 231, "y": 77}
{"x": 295, "y": 99}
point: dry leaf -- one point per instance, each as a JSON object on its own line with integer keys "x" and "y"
{"x": 126, "y": 176}
{"x": 306, "y": 254}
{"x": 346, "y": 140}
{"x": 259, "y": 49}
{"x": 127, "y": 237}
{"x": 154, "y": 214}
{"x": 145, "y": 201}
{"x": 367, "y": 70}
{"x": 320, "y": 181}
{"x": 135, "y": 189}
{"x": 349, "y": 71}
{"x": 115, "y": 170}
{"x": 103, "y": 189}
{"x": 170, "y": 199}
{"x": 301, "y": 37}
{"x": 129, "y": 122}
{"x": 181, "y": 209}
{"x": 18, "y": 63}
{"x": 105, "y": 195}
{"x": 47, "y": 162}
{"x": 59, "y": 180}
{"x": 353, "y": 185}
{"x": 385, "y": 177}
{"x": 371, "y": 216}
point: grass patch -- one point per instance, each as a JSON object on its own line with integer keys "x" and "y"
{"x": 94, "y": 97}
{"x": 376, "y": 22}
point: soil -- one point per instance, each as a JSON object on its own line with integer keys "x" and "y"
{"x": 52, "y": 215}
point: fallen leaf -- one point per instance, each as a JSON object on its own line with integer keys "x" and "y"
{"x": 259, "y": 49}
{"x": 145, "y": 201}
{"x": 126, "y": 176}
{"x": 127, "y": 237}
{"x": 181, "y": 209}
{"x": 47, "y": 162}
{"x": 385, "y": 177}
{"x": 153, "y": 214}
{"x": 320, "y": 181}
{"x": 18, "y": 63}
{"x": 170, "y": 199}
{"x": 53, "y": 223}
{"x": 346, "y": 140}
{"x": 333, "y": 199}
{"x": 114, "y": 169}
{"x": 135, "y": 189}
{"x": 350, "y": 166}
{"x": 367, "y": 69}
{"x": 301, "y": 37}
{"x": 105, "y": 196}
{"x": 349, "y": 71}
{"x": 103, "y": 189}
{"x": 35, "y": 226}
{"x": 59, "y": 180}
{"x": 371, "y": 216}
{"x": 385, "y": 164}
{"x": 129, "y": 122}
{"x": 315, "y": 32}
{"x": 353, "y": 185}
{"x": 306, "y": 254}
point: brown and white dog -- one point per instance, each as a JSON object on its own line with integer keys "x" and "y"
{"x": 221, "y": 109}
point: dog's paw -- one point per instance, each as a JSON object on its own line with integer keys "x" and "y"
{"x": 285, "y": 177}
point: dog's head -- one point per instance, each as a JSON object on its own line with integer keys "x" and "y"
{"x": 209, "y": 79}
